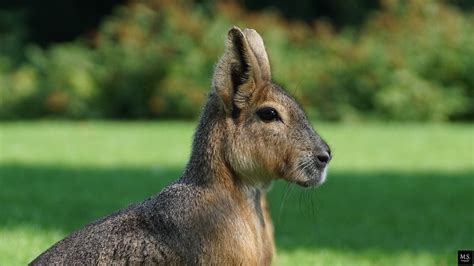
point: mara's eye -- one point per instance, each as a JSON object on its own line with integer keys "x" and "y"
{"x": 268, "y": 114}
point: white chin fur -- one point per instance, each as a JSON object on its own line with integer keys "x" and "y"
{"x": 323, "y": 176}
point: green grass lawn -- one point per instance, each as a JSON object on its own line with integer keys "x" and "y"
{"x": 397, "y": 194}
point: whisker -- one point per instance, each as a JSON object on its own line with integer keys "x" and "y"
{"x": 299, "y": 204}
{"x": 311, "y": 202}
{"x": 283, "y": 200}
{"x": 307, "y": 198}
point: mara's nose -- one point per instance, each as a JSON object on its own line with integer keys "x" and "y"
{"x": 323, "y": 158}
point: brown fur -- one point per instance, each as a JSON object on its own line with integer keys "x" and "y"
{"x": 216, "y": 213}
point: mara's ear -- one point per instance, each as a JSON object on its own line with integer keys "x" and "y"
{"x": 243, "y": 68}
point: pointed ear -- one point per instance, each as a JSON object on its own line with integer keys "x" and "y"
{"x": 243, "y": 68}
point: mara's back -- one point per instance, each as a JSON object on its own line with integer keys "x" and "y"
{"x": 251, "y": 132}
{"x": 139, "y": 234}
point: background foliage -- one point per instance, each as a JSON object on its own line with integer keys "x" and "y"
{"x": 408, "y": 60}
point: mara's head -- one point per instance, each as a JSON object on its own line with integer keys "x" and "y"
{"x": 267, "y": 134}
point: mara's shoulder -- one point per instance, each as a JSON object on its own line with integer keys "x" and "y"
{"x": 179, "y": 202}
{"x": 176, "y": 196}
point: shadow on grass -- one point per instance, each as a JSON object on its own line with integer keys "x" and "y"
{"x": 389, "y": 211}
{"x": 354, "y": 211}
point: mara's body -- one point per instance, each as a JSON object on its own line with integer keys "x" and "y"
{"x": 182, "y": 225}
{"x": 250, "y": 133}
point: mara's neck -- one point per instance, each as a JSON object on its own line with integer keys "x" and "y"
{"x": 207, "y": 164}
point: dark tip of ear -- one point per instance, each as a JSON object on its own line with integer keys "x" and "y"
{"x": 234, "y": 31}
{"x": 236, "y": 36}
